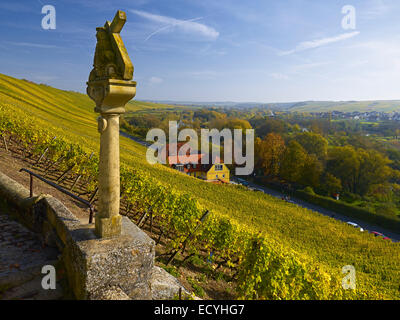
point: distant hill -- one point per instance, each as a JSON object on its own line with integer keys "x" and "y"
{"x": 345, "y": 106}
{"x": 303, "y": 106}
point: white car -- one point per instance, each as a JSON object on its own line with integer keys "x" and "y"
{"x": 355, "y": 225}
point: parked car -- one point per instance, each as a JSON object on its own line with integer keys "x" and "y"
{"x": 243, "y": 182}
{"x": 355, "y": 225}
{"x": 378, "y": 234}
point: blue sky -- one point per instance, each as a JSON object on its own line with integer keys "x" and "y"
{"x": 209, "y": 50}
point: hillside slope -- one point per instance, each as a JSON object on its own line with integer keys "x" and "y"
{"x": 305, "y": 106}
{"x": 347, "y": 106}
{"x": 333, "y": 243}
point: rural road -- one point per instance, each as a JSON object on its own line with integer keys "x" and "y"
{"x": 126, "y": 135}
{"x": 366, "y": 226}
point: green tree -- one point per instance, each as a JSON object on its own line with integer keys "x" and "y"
{"x": 313, "y": 143}
{"x": 293, "y": 162}
{"x": 270, "y": 151}
{"x": 343, "y": 163}
{"x": 358, "y": 169}
{"x": 373, "y": 170}
{"x": 331, "y": 184}
{"x": 312, "y": 170}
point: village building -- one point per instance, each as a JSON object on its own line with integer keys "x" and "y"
{"x": 196, "y": 165}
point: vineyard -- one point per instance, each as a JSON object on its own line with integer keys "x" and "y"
{"x": 269, "y": 249}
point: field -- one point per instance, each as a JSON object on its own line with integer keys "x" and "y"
{"x": 346, "y": 106}
{"x": 311, "y": 236}
{"x": 310, "y": 106}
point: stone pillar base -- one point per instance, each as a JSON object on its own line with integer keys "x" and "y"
{"x": 97, "y": 266}
{"x": 108, "y": 227}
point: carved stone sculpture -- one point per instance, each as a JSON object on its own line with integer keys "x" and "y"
{"x": 110, "y": 87}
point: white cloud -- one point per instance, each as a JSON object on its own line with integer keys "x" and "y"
{"x": 188, "y": 26}
{"x": 279, "y": 76}
{"x": 306, "y": 45}
{"x": 376, "y": 8}
{"x": 33, "y": 45}
{"x": 203, "y": 74}
{"x": 306, "y": 66}
{"x": 45, "y": 78}
{"x": 379, "y": 47}
{"x": 155, "y": 80}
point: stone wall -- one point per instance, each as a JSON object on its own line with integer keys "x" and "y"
{"x": 114, "y": 268}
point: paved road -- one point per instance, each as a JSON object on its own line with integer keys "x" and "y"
{"x": 138, "y": 140}
{"x": 366, "y": 226}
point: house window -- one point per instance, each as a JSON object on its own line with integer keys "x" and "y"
{"x": 179, "y": 168}
{"x": 194, "y": 166}
{"x": 223, "y": 176}
{"x": 216, "y": 176}
{"x": 218, "y": 167}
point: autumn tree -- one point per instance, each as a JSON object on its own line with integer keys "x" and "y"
{"x": 269, "y": 153}
{"x": 313, "y": 143}
{"x": 373, "y": 170}
{"x": 344, "y": 164}
{"x": 331, "y": 184}
{"x": 231, "y": 123}
{"x": 293, "y": 161}
{"x": 312, "y": 170}
{"x": 358, "y": 169}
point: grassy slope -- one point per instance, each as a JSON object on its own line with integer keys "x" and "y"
{"x": 335, "y": 244}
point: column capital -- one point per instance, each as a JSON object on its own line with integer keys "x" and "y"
{"x": 111, "y": 95}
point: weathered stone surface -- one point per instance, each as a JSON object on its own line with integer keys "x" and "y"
{"x": 22, "y": 257}
{"x": 61, "y": 219}
{"x": 125, "y": 261}
{"x": 12, "y": 191}
{"x": 164, "y": 286}
{"x": 113, "y": 293}
{"x": 32, "y": 290}
{"x": 111, "y": 60}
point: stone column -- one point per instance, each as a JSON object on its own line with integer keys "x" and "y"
{"x": 110, "y": 96}
{"x": 108, "y": 219}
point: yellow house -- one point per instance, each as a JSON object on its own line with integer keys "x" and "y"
{"x": 211, "y": 172}
{"x": 208, "y": 172}
{"x": 192, "y": 165}
{"x": 217, "y": 171}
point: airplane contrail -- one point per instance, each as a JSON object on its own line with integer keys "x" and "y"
{"x": 170, "y": 26}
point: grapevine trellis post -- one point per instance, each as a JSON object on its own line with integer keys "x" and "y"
{"x": 110, "y": 86}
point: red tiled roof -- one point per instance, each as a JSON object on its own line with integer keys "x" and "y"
{"x": 198, "y": 158}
